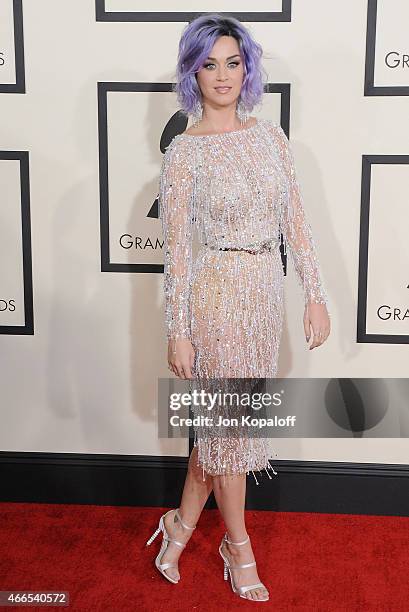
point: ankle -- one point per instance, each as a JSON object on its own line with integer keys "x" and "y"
{"x": 238, "y": 541}
{"x": 237, "y": 551}
{"x": 186, "y": 521}
{"x": 178, "y": 531}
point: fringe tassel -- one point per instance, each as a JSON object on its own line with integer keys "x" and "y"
{"x": 254, "y": 477}
{"x": 271, "y": 468}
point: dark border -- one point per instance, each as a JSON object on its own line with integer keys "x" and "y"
{"x": 127, "y": 480}
{"x": 369, "y": 88}
{"x": 20, "y": 85}
{"x": 103, "y": 89}
{"x": 28, "y": 327}
{"x": 362, "y": 335}
{"x": 101, "y": 14}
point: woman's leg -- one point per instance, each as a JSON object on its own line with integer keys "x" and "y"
{"x": 195, "y": 494}
{"x": 230, "y": 494}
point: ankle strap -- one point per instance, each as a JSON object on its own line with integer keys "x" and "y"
{"x": 236, "y": 543}
{"x": 181, "y": 522}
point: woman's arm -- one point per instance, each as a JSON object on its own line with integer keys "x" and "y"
{"x": 176, "y": 214}
{"x": 297, "y": 236}
{"x": 296, "y": 230}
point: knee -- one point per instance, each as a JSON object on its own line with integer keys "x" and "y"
{"x": 225, "y": 481}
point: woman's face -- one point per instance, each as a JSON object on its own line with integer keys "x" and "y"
{"x": 223, "y": 68}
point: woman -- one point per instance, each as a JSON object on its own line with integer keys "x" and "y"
{"x": 231, "y": 178}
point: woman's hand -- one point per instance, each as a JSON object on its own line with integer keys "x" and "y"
{"x": 316, "y": 318}
{"x": 181, "y": 357}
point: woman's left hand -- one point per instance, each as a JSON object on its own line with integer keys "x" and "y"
{"x": 316, "y": 319}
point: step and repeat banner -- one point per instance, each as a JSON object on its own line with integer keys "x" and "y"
{"x": 86, "y": 114}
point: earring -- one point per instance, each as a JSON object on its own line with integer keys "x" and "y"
{"x": 197, "y": 114}
{"x": 242, "y": 112}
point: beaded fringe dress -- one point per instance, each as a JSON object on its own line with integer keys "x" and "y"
{"x": 233, "y": 190}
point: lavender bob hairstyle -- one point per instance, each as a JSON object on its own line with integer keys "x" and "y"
{"x": 195, "y": 45}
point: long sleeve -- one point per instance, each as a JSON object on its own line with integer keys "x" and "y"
{"x": 296, "y": 229}
{"x": 176, "y": 213}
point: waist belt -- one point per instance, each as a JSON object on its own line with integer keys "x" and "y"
{"x": 262, "y": 249}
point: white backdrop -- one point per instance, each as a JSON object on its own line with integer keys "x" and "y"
{"x": 86, "y": 379}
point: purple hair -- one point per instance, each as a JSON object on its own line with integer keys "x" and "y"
{"x": 195, "y": 45}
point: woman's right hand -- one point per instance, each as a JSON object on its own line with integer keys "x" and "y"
{"x": 181, "y": 357}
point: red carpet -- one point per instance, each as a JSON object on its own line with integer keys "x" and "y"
{"x": 310, "y": 562}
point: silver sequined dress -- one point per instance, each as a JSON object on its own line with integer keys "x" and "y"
{"x": 237, "y": 190}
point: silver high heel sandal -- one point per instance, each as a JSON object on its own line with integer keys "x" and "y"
{"x": 165, "y": 543}
{"x": 227, "y": 570}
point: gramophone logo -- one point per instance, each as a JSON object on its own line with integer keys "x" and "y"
{"x": 383, "y": 287}
{"x": 387, "y": 48}
{"x": 131, "y": 236}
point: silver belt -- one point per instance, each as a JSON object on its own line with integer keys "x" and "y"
{"x": 268, "y": 246}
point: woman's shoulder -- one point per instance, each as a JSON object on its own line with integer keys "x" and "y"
{"x": 275, "y": 130}
{"x": 178, "y": 146}
{"x": 178, "y": 158}
{"x": 270, "y": 124}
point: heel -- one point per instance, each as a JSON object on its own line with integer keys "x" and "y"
{"x": 156, "y": 533}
